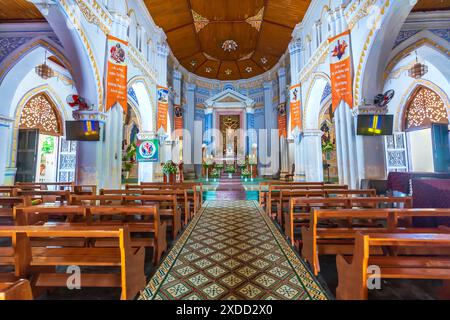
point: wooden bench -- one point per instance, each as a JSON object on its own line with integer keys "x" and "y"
{"x": 44, "y": 185}
{"x": 7, "y": 205}
{"x": 46, "y": 196}
{"x": 183, "y": 198}
{"x": 195, "y": 191}
{"x": 264, "y": 188}
{"x": 324, "y": 238}
{"x": 36, "y": 263}
{"x": 301, "y": 218}
{"x": 354, "y": 274}
{"x": 17, "y": 290}
{"x": 168, "y": 205}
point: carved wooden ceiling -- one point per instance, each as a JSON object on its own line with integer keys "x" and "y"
{"x": 228, "y": 40}
{"x": 18, "y": 10}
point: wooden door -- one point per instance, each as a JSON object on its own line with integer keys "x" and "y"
{"x": 27, "y": 155}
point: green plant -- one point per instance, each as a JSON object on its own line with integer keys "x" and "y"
{"x": 327, "y": 147}
{"x": 169, "y": 168}
{"x": 129, "y": 157}
{"x": 215, "y": 174}
{"x": 219, "y": 166}
{"x": 230, "y": 169}
{"x": 48, "y": 146}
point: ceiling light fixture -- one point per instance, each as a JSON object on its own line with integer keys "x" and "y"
{"x": 43, "y": 70}
{"x": 229, "y": 45}
{"x": 418, "y": 70}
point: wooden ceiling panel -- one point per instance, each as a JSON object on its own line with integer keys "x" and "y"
{"x": 183, "y": 42}
{"x": 261, "y": 29}
{"x": 265, "y": 61}
{"x": 193, "y": 62}
{"x": 209, "y": 69}
{"x": 286, "y": 12}
{"x": 229, "y": 71}
{"x": 249, "y": 69}
{"x": 19, "y": 10}
{"x": 273, "y": 39}
{"x": 432, "y": 5}
{"x": 170, "y": 15}
{"x": 229, "y": 10}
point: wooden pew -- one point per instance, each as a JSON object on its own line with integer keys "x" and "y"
{"x": 285, "y": 196}
{"x": 35, "y": 262}
{"x": 17, "y": 290}
{"x": 8, "y": 191}
{"x": 168, "y": 205}
{"x": 150, "y": 223}
{"x": 323, "y": 238}
{"x": 264, "y": 188}
{"x": 46, "y": 196}
{"x": 7, "y": 205}
{"x": 353, "y": 271}
{"x": 195, "y": 191}
{"x": 306, "y": 205}
{"x": 183, "y": 199}
{"x": 45, "y": 185}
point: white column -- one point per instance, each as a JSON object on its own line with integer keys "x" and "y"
{"x": 284, "y": 154}
{"x": 314, "y": 162}
{"x": 100, "y": 163}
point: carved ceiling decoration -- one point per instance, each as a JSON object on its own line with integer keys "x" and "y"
{"x": 19, "y": 10}
{"x": 198, "y": 29}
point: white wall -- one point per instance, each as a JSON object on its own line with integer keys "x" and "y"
{"x": 420, "y": 150}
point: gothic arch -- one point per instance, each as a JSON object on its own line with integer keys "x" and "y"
{"x": 313, "y": 107}
{"x": 410, "y": 93}
{"x": 53, "y": 98}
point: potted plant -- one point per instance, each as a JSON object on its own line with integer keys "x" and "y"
{"x": 230, "y": 169}
{"x": 170, "y": 169}
{"x": 327, "y": 148}
{"x": 129, "y": 159}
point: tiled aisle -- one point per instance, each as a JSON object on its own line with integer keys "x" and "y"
{"x": 232, "y": 251}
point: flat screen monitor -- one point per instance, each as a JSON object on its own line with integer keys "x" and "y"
{"x": 375, "y": 125}
{"x": 84, "y": 130}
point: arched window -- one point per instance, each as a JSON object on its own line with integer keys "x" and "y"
{"x": 40, "y": 113}
{"x": 425, "y": 108}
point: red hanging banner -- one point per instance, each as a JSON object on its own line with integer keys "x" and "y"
{"x": 116, "y": 79}
{"x": 340, "y": 70}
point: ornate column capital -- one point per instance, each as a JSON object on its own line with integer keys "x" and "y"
{"x": 162, "y": 49}
{"x": 90, "y": 115}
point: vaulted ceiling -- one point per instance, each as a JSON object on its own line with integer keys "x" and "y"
{"x": 18, "y": 10}
{"x": 258, "y": 31}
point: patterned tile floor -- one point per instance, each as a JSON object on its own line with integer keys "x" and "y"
{"x": 230, "y": 251}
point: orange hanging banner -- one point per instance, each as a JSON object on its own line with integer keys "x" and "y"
{"x": 116, "y": 79}
{"x": 163, "y": 108}
{"x": 340, "y": 70}
{"x": 282, "y": 120}
{"x": 295, "y": 105}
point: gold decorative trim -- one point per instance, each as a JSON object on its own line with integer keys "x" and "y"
{"x": 98, "y": 17}
{"x": 256, "y": 20}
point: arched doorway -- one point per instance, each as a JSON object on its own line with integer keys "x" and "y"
{"x": 427, "y": 134}
{"x": 329, "y": 151}
{"x": 130, "y": 132}
{"x": 42, "y": 153}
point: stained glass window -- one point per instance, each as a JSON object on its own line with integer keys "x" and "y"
{"x": 40, "y": 114}
{"x": 425, "y": 108}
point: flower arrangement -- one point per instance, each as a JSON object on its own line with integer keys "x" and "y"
{"x": 169, "y": 168}
{"x": 230, "y": 169}
{"x": 241, "y": 162}
{"x": 245, "y": 173}
{"x": 215, "y": 173}
{"x": 219, "y": 165}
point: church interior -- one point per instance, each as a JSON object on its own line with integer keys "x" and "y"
{"x": 225, "y": 150}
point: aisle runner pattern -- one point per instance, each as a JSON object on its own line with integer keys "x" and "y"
{"x": 232, "y": 251}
